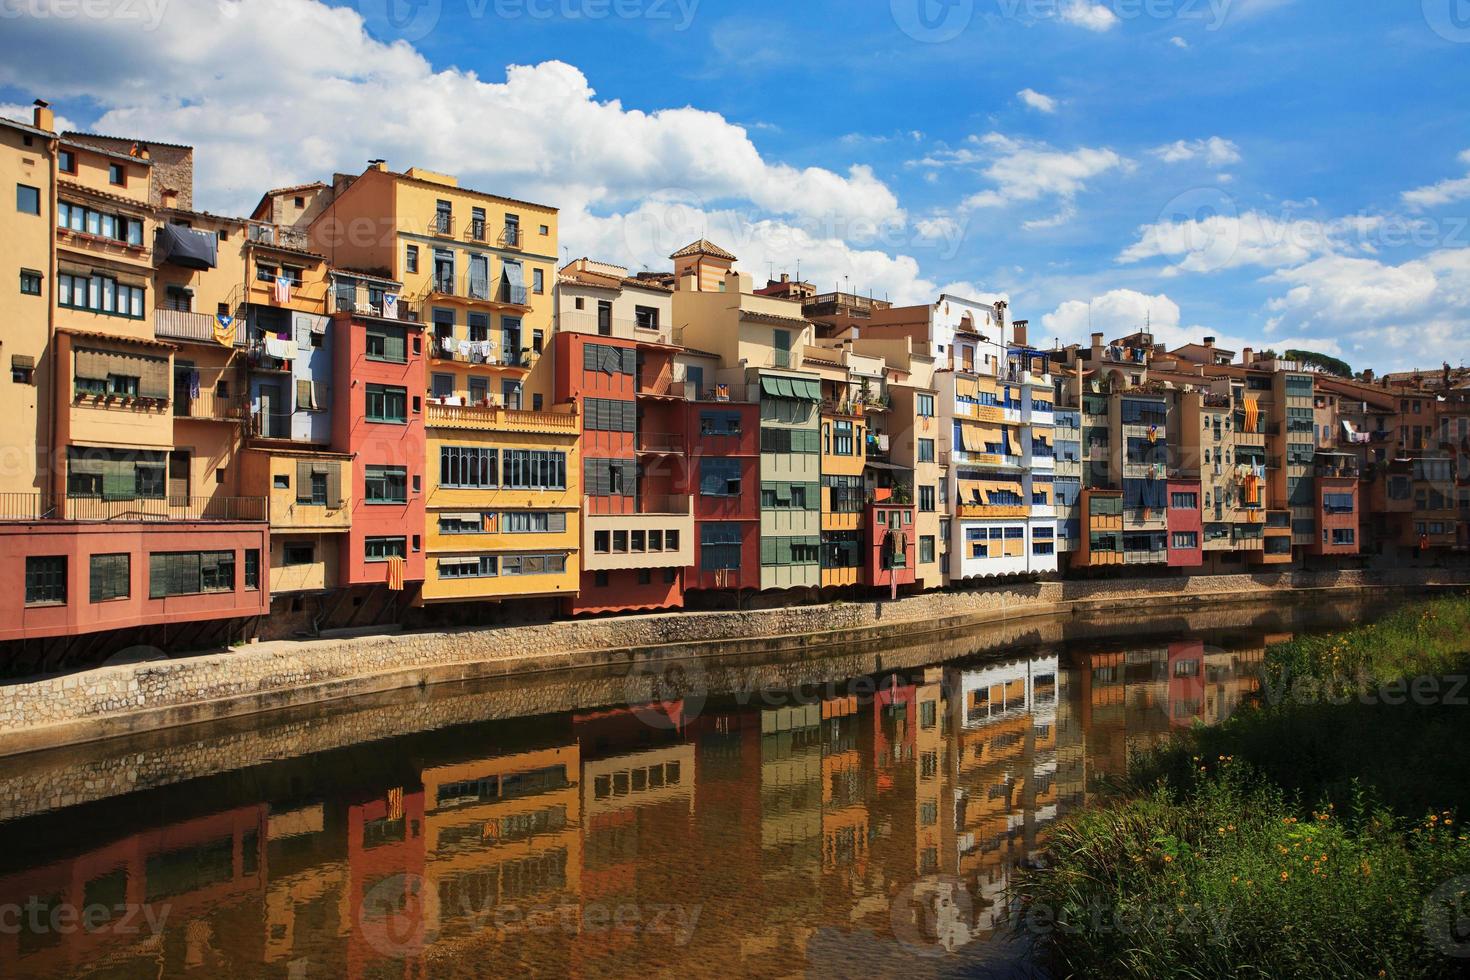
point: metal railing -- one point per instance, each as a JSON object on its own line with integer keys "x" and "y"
{"x": 45, "y": 507}
{"x": 270, "y": 425}
{"x": 208, "y": 405}
{"x": 442, "y": 223}
{"x": 660, "y": 442}
{"x": 510, "y": 236}
{"x": 469, "y": 286}
{"x": 475, "y": 230}
{"x": 186, "y": 325}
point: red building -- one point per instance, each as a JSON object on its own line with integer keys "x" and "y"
{"x": 378, "y": 417}
{"x": 1186, "y": 682}
{"x": 891, "y": 553}
{"x": 389, "y": 913}
{"x": 1185, "y": 524}
{"x": 724, "y": 455}
{"x": 1337, "y": 504}
{"x": 634, "y": 471}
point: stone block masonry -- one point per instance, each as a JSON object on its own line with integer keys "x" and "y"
{"x": 119, "y": 700}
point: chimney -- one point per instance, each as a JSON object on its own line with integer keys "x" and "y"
{"x": 1367, "y": 376}
{"x": 1019, "y": 331}
{"x": 1210, "y": 342}
{"x": 785, "y": 278}
{"x": 377, "y": 164}
{"x": 140, "y": 150}
{"x": 43, "y": 117}
{"x": 1247, "y": 356}
{"x": 1000, "y": 315}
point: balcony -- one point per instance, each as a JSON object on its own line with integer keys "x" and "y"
{"x": 45, "y": 507}
{"x": 497, "y": 419}
{"x": 991, "y": 511}
{"x": 196, "y": 327}
{"x": 659, "y": 442}
{"x": 445, "y": 347}
{"x": 500, "y": 291}
{"x": 270, "y": 425}
{"x": 510, "y": 236}
{"x": 649, "y": 329}
{"x": 442, "y": 224}
{"x": 208, "y": 406}
{"x": 962, "y": 457}
{"x": 278, "y": 236}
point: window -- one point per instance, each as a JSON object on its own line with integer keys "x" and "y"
{"x": 926, "y": 548}
{"x": 386, "y": 403}
{"x": 1184, "y": 501}
{"x": 646, "y": 317}
{"x": 30, "y": 282}
{"x": 842, "y": 442}
{"x": 601, "y": 543}
{"x": 1343, "y": 536}
{"x": 527, "y": 522}
{"x": 45, "y": 580}
{"x": 381, "y": 549}
{"x": 719, "y": 423}
{"x": 252, "y": 569}
{"x": 538, "y": 280}
{"x": 719, "y": 546}
{"x": 842, "y": 549}
{"x": 298, "y": 553}
{"x": 608, "y": 477}
{"x": 117, "y": 174}
{"x": 114, "y": 474}
{"x": 190, "y": 573}
{"x": 385, "y": 484}
{"x": 926, "y": 499}
{"x": 110, "y": 577}
{"x": 609, "y": 415}
{"x": 1184, "y": 540}
{"x": 484, "y": 566}
{"x": 66, "y": 161}
{"x": 469, "y": 467}
{"x": 671, "y": 540}
{"x": 545, "y": 230}
{"x": 387, "y": 342}
{"x": 1043, "y": 548}
{"x": 27, "y": 199}
{"x": 534, "y": 469}
{"x": 1337, "y": 503}
{"x": 924, "y": 405}
{"x": 926, "y": 450}
{"x": 99, "y": 294}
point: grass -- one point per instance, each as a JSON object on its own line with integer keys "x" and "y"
{"x": 1304, "y": 837}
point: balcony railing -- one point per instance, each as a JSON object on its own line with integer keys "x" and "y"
{"x": 497, "y": 418}
{"x": 470, "y": 286}
{"x": 660, "y": 442}
{"x": 208, "y": 405}
{"x": 270, "y": 425}
{"x": 45, "y": 507}
{"x": 475, "y": 230}
{"x": 184, "y": 325}
{"x": 510, "y": 236}
{"x": 442, "y": 223}
{"x": 446, "y": 348}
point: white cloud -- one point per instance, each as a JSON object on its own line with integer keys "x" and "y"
{"x": 1025, "y": 171}
{"x": 541, "y": 133}
{"x": 26, "y": 114}
{"x": 1179, "y": 43}
{"x": 1035, "y": 100}
{"x": 1219, "y": 241}
{"x": 1442, "y": 193}
{"x": 1088, "y": 15}
{"x": 1214, "y": 151}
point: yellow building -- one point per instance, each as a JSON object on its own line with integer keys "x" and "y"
{"x": 503, "y": 474}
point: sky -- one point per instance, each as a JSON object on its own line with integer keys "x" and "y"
{"x": 1274, "y": 173}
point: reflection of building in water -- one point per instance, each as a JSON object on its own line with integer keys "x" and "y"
{"x": 203, "y": 878}
{"x": 844, "y": 789}
{"x": 933, "y": 808}
{"x": 1005, "y": 743}
{"x": 385, "y": 866}
{"x": 502, "y": 835}
{"x": 307, "y": 893}
{"x": 791, "y": 820}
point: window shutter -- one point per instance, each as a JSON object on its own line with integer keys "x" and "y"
{"x": 303, "y": 394}
{"x": 630, "y": 362}
{"x": 319, "y": 394}
{"x": 334, "y": 484}
{"x": 557, "y": 522}
{"x": 589, "y": 357}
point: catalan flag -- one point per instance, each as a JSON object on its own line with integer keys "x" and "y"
{"x": 397, "y": 568}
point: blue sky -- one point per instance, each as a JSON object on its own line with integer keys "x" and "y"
{"x": 1273, "y": 172}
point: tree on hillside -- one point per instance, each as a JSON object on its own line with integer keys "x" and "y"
{"x": 1323, "y": 362}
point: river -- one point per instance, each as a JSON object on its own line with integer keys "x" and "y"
{"x": 855, "y": 812}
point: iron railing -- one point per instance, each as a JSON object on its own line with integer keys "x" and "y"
{"x": 46, "y": 507}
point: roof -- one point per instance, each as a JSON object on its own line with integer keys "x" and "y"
{"x": 124, "y": 139}
{"x": 116, "y": 338}
{"x": 753, "y": 316}
{"x": 703, "y": 247}
{"x": 106, "y": 195}
{"x": 460, "y": 190}
{"x": 190, "y": 213}
{"x": 26, "y": 128}
{"x": 106, "y": 151}
{"x": 294, "y": 187}
{"x": 597, "y": 279}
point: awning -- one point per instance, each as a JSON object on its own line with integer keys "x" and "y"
{"x": 964, "y": 388}
{"x": 810, "y": 390}
{"x": 185, "y": 247}
{"x": 22, "y": 361}
{"x": 469, "y": 517}
{"x": 877, "y": 464}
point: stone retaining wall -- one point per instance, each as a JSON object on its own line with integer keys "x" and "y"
{"x": 117, "y": 700}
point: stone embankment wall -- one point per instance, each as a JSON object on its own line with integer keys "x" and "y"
{"x": 119, "y": 700}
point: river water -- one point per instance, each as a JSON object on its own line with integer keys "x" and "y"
{"x": 857, "y": 811}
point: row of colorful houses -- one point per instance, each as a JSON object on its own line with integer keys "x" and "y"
{"x": 384, "y": 396}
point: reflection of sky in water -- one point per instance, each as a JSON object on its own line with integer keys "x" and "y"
{"x": 852, "y": 836}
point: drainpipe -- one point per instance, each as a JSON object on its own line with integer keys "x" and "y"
{"x": 55, "y": 480}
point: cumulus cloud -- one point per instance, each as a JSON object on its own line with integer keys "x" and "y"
{"x": 280, "y": 91}
{"x": 1442, "y": 193}
{"x": 1035, "y": 100}
{"x": 1214, "y": 152}
{"x": 1088, "y": 15}
{"x": 1027, "y": 171}
{"x": 1179, "y": 43}
{"x": 1217, "y": 241}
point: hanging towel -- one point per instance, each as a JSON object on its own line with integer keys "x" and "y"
{"x": 279, "y": 348}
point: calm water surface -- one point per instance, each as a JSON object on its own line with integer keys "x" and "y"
{"x": 861, "y": 822}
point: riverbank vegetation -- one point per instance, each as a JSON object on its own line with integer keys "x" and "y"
{"x": 1315, "y": 833}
